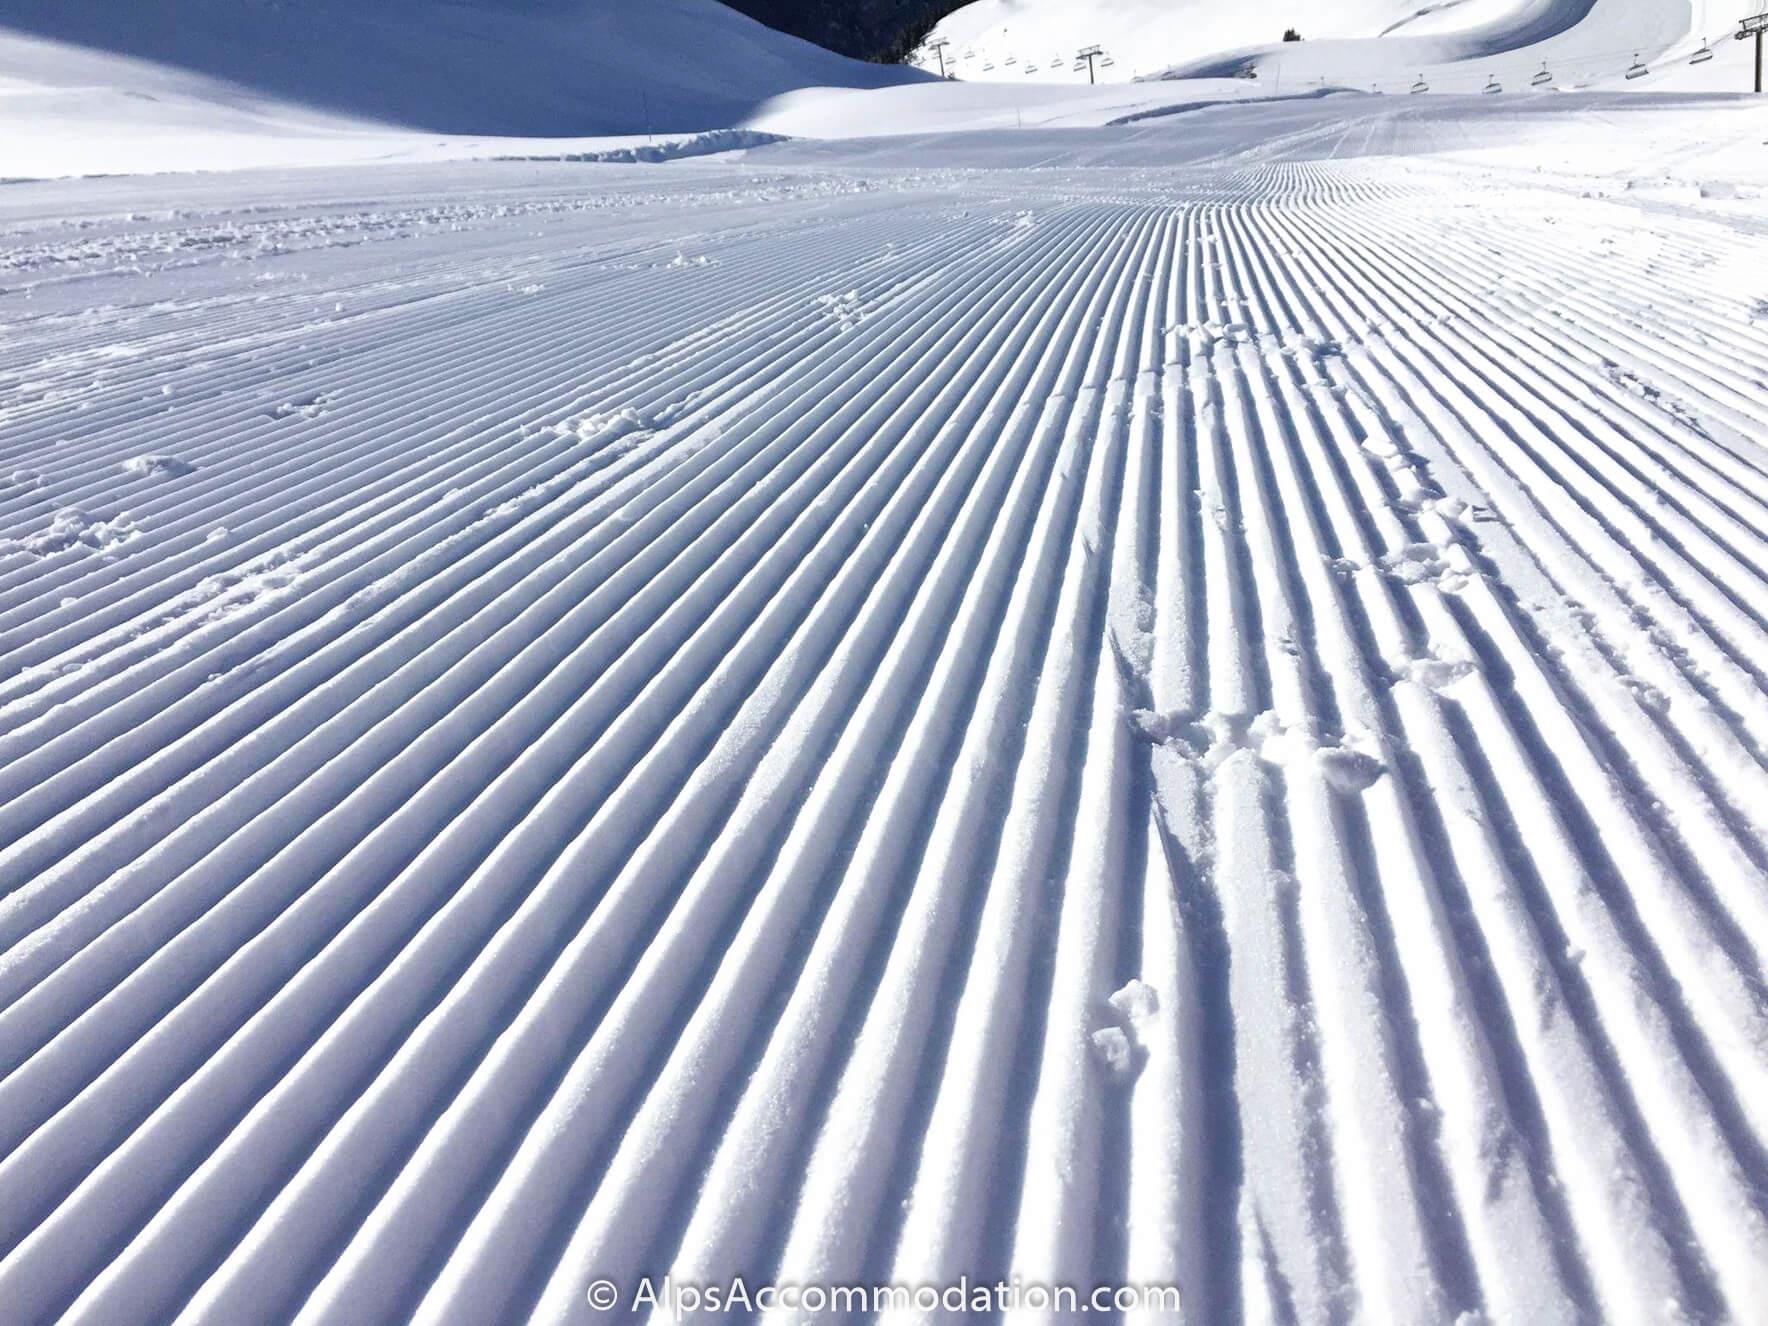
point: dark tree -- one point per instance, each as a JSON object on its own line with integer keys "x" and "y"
{"x": 1290, "y": 34}
{"x": 882, "y": 30}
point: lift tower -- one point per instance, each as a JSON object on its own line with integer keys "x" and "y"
{"x": 938, "y": 48}
{"x": 1754, "y": 27}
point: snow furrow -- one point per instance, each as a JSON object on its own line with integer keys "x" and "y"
{"x": 1177, "y": 727}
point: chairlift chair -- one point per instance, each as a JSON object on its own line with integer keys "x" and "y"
{"x": 1012, "y": 59}
{"x": 1543, "y": 78}
{"x": 1031, "y": 68}
{"x": 1494, "y": 85}
{"x": 1704, "y": 54}
{"x": 1421, "y": 85}
{"x": 1107, "y": 62}
{"x": 1638, "y": 68}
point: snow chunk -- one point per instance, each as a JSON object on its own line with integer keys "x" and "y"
{"x": 1119, "y": 1043}
{"x": 72, "y": 528}
{"x": 1436, "y": 674}
{"x": 1113, "y": 1047}
{"x": 846, "y": 310}
{"x": 310, "y": 406}
{"x": 1213, "y": 738}
{"x": 1347, "y": 770}
{"x": 167, "y": 467}
{"x": 611, "y": 426}
{"x": 1135, "y": 1002}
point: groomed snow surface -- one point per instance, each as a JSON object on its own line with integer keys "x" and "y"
{"x": 1146, "y": 686}
{"x": 1193, "y": 722}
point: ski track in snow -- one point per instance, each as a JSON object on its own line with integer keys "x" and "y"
{"x": 631, "y": 726}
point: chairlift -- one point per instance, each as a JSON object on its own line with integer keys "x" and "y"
{"x": 1543, "y": 78}
{"x": 1421, "y": 85}
{"x": 1704, "y": 54}
{"x": 987, "y": 65}
{"x": 1107, "y": 62}
{"x": 1637, "y": 69}
{"x": 1011, "y": 59}
{"x": 1494, "y": 85}
{"x": 1031, "y": 68}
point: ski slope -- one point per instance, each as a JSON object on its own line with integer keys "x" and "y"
{"x": 1382, "y": 45}
{"x": 1180, "y": 703}
{"x": 1006, "y": 40}
{"x": 1636, "y": 45}
{"x": 91, "y": 86}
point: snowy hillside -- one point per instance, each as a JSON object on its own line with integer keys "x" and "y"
{"x": 1382, "y": 44}
{"x": 1004, "y": 39}
{"x": 1622, "y": 44}
{"x": 94, "y": 85}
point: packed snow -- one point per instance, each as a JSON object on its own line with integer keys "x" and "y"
{"x": 895, "y": 682}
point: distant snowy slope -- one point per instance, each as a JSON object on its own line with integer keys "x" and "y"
{"x": 1561, "y": 43}
{"x": 1141, "y": 35}
{"x": 75, "y": 71}
{"x": 1352, "y": 42}
{"x": 1146, "y": 35}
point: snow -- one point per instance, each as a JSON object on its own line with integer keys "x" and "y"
{"x": 1146, "y": 36}
{"x": 1155, "y": 683}
{"x": 1196, "y": 52}
{"x": 90, "y": 87}
{"x": 1370, "y": 45}
{"x": 943, "y": 108}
